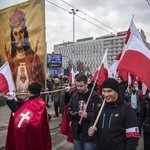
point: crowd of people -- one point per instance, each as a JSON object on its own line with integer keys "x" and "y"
{"x": 124, "y": 117}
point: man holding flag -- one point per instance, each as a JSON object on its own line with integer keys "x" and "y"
{"x": 75, "y": 111}
{"x": 117, "y": 127}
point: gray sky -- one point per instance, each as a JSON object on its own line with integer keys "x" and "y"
{"x": 114, "y": 13}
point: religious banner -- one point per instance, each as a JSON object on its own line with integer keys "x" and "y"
{"x": 22, "y": 42}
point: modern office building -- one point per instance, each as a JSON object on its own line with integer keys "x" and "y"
{"x": 90, "y": 51}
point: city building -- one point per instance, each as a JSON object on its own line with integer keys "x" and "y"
{"x": 90, "y": 51}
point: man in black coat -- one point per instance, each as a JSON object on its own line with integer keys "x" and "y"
{"x": 75, "y": 111}
{"x": 117, "y": 128}
{"x": 144, "y": 119}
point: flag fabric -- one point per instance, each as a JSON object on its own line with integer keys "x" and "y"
{"x": 6, "y": 80}
{"x": 72, "y": 74}
{"x": 28, "y": 127}
{"x": 65, "y": 122}
{"x": 65, "y": 128}
{"x": 132, "y": 30}
{"x": 103, "y": 72}
{"x": 114, "y": 66}
{"x": 136, "y": 59}
{"x": 144, "y": 88}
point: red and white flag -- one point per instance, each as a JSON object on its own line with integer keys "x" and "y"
{"x": 136, "y": 58}
{"x": 114, "y": 65}
{"x": 72, "y": 75}
{"x": 6, "y": 80}
{"x": 103, "y": 71}
{"x": 132, "y": 30}
{"x": 114, "y": 68}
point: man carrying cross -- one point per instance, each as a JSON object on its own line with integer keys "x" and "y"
{"x": 28, "y": 127}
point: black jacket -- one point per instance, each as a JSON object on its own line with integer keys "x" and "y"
{"x": 115, "y": 119}
{"x": 144, "y": 115}
{"x": 73, "y": 105}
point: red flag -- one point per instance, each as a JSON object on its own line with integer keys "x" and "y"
{"x": 28, "y": 127}
{"x": 136, "y": 59}
{"x": 6, "y": 80}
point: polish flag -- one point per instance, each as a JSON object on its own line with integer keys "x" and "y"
{"x": 6, "y": 80}
{"x": 114, "y": 65}
{"x": 103, "y": 71}
{"x": 72, "y": 74}
{"x": 132, "y": 30}
{"x": 136, "y": 59}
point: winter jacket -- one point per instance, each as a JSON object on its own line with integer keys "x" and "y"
{"x": 73, "y": 105}
{"x": 127, "y": 97}
{"x": 144, "y": 115}
{"x": 117, "y": 128}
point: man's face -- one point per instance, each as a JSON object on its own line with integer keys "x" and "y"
{"x": 18, "y": 34}
{"x": 119, "y": 80}
{"x": 81, "y": 86}
{"x": 109, "y": 95}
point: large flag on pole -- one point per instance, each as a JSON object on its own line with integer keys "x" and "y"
{"x": 6, "y": 80}
{"x": 136, "y": 58}
{"x": 114, "y": 66}
{"x": 132, "y": 30}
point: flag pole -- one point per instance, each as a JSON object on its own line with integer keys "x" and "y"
{"x": 85, "y": 108}
{"x": 25, "y": 93}
{"x": 99, "y": 113}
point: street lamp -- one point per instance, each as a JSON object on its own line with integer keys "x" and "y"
{"x": 73, "y": 12}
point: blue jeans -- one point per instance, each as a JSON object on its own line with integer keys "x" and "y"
{"x": 80, "y": 145}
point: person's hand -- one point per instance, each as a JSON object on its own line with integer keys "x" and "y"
{"x": 67, "y": 89}
{"x": 92, "y": 130}
{"x": 84, "y": 114}
{"x": 11, "y": 95}
{"x": 73, "y": 113}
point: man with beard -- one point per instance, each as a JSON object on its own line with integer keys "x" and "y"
{"x": 26, "y": 65}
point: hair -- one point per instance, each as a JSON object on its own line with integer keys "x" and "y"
{"x": 26, "y": 43}
{"x": 120, "y": 78}
{"x": 82, "y": 77}
{"x": 35, "y": 88}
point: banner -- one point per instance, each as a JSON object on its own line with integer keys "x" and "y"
{"x": 22, "y": 42}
